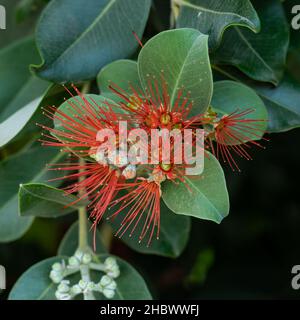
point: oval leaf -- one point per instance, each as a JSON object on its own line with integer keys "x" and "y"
{"x": 182, "y": 55}
{"x": 14, "y": 171}
{"x": 213, "y": 17}
{"x": 230, "y": 96}
{"x": 76, "y": 38}
{"x": 20, "y": 91}
{"x": 41, "y": 200}
{"x": 281, "y": 101}
{"x": 207, "y": 198}
{"x": 123, "y": 73}
{"x": 260, "y": 56}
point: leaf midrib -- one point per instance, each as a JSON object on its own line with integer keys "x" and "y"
{"x": 40, "y": 174}
{"x": 86, "y": 31}
{"x": 249, "y": 45}
{"x": 200, "y": 8}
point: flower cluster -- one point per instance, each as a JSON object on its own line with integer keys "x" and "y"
{"x": 82, "y": 263}
{"x": 108, "y": 179}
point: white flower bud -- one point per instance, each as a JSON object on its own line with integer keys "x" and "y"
{"x": 57, "y": 266}
{"x": 114, "y": 272}
{"x": 73, "y": 261}
{"x": 109, "y": 294}
{"x": 56, "y": 276}
{"x": 87, "y": 258}
{"x": 79, "y": 255}
{"x": 129, "y": 172}
{"x": 64, "y": 286}
{"x": 82, "y": 284}
{"x": 76, "y": 289}
{"x": 105, "y": 281}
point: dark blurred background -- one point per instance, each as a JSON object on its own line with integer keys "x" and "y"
{"x": 249, "y": 255}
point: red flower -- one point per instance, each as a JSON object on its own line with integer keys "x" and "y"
{"x": 233, "y": 133}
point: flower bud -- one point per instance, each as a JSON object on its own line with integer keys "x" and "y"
{"x": 129, "y": 172}
{"x": 56, "y": 276}
{"x": 64, "y": 286}
{"x": 76, "y": 289}
{"x": 87, "y": 258}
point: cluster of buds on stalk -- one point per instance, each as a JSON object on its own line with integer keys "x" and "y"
{"x": 82, "y": 263}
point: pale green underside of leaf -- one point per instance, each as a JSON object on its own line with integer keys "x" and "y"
{"x": 212, "y": 17}
{"x": 20, "y": 92}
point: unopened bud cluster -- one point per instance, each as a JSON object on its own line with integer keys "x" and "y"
{"x": 82, "y": 263}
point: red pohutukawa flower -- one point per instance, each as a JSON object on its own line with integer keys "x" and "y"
{"x": 233, "y": 133}
{"x": 109, "y": 179}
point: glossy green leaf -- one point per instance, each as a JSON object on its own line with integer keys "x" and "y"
{"x": 69, "y": 243}
{"x": 130, "y": 285}
{"x": 41, "y": 200}
{"x": 76, "y": 38}
{"x": 123, "y": 73}
{"x": 37, "y": 279}
{"x": 20, "y": 91}
{"x": 174, "y": 234}
{"x": 230, "y": 96}
{"x": 260, "y": 56}
{"x": 206, "y": 197}
{"x": 212, "y": 17}
{"x": 27, "y": 166}
{"x": 182, "y": 55}
{"x": 281, "y": 101}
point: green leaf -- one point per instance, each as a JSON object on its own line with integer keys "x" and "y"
{"x": 29, "y": 165}
{"x": 230, "y": 96}
{"x": 212, "y": 17}
{"x": 206, "y": 197}
{"x": 183, "y": 56}
{"x": 281, "y": 101}
{"x": 20, "y": 92}
{"x": 69, "y": 243}
{"x": 41, "y": 200}
{"x": 37, "y": 279}
{"x": 130, "y": 285}
{"x": 260, "y": 56}
{"x": 174, "y": 234}
{"x": 123, "y": 73}
{"x": 76, "y": 38}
